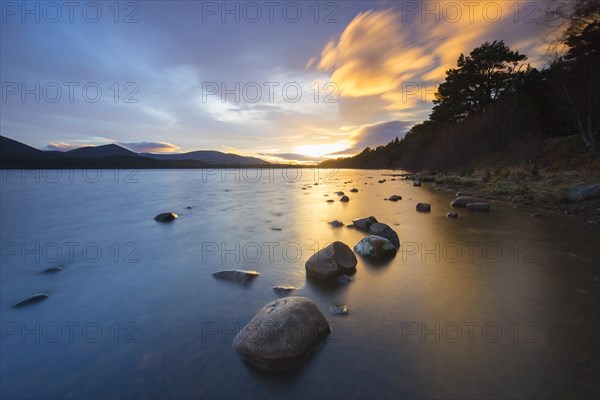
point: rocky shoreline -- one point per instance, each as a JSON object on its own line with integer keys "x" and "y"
{"x": 573, "y": 194}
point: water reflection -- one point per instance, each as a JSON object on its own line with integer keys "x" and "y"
{"x": 502, "y": 268}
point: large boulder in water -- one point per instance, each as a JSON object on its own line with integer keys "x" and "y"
{"x": 384, "y": 231}
{"x": 364, "y": 223}
{"x": 236, "y": 275}
{"x": 375, "y": 246}
{"x": 282, "y": 334}
{"x": 335, "y": 259}
{"x": 462, "y": 201}
{"x": 584, "y": 192}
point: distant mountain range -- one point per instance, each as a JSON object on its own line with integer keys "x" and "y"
{"x": 14, "y": 154}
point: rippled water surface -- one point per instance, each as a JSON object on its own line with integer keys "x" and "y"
{"x": 492, "y": 305}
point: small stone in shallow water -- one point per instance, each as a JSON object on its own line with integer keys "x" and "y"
{"x": 345, "y": 199}
{"x": 484, "y": 207}
{"x": 354, "y": 190}
{"x": 283, "y": 290}
{"x": 376, "y": 247}
{"x": 188, "y": 208}
{"x": 417, "y": 183}
{"x": 236, "y": 275}
{"x": 452, "y": 214}
{"x": 423, "y": 207}
{"x": 336, "y": 223}
{"x": 395, "y": 198}
{"x": 329, "y": 201}
{"x": 364, "y": 223}
{"x": 462, "y": 201}
{"x": 276, "y": 229}
{"x": 536, "y": 215}
{"x": 339, "y": 310}
{"x": 36, "y": 298}
{"x": 384, "y": 231}
{"x": 339, "y": 193}
{"x": 166, "y": 217}
{"x": 344, "y": 279}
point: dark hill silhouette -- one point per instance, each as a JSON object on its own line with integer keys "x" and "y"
{"x": 100, "y": 151}
{"x": 209, "y": 157}
{"x": 11, "y": 150}
{"x": 16, "y": 155}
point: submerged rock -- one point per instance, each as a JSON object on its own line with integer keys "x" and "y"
{"x": 339, "y": 310}
{"x": 345, "y": 199}
{"x": 329, "y": 201}
{"x": 36, "y": 298}
{"x": 416, "y": 182}
{"x": 384, "y": 231}
{"x": 423, "y": 207}
{"x": 364, "y": 223}
{"x": 339, "y": 193}
{"x": 354, "y": 190}
{"x": 344, "y": 279}
{"x": 283, "y": 290}
{"x": 584, "y": 192}
{"x": 166, "y": 217}
{"x": 452, "y": 214}
{"x": 52, "y": 270}
{"x": 282, "y": 334}
{"x": 336, "y": 223}
{"x": 331, "y": 261}
{"x": 536, "y": 215}
{"x": 478, "y": 207}
{"x": 395, "y": 198}
{"x": 375, "y": 246}
{"x": 462, "y": 201}
{"x": 236, "y": 275}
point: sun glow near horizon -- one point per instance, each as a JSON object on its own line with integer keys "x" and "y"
{"x": 320, "y": 150}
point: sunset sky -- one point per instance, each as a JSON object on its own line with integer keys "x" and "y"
{"x": 366, "y": 70}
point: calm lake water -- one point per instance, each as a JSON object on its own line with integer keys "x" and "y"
{"x": 490, "y": 305}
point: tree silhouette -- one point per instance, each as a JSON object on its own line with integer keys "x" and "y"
{"x": 480, "y": 79}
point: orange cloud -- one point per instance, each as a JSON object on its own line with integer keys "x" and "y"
{"x": 386, "y": 55}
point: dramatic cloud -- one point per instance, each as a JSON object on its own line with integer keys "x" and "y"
{"x": 376, "y": 134}
{"x": 372, "y": 55}
{"x": 151, "y": 147}
{"x": 399, "y": 55}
